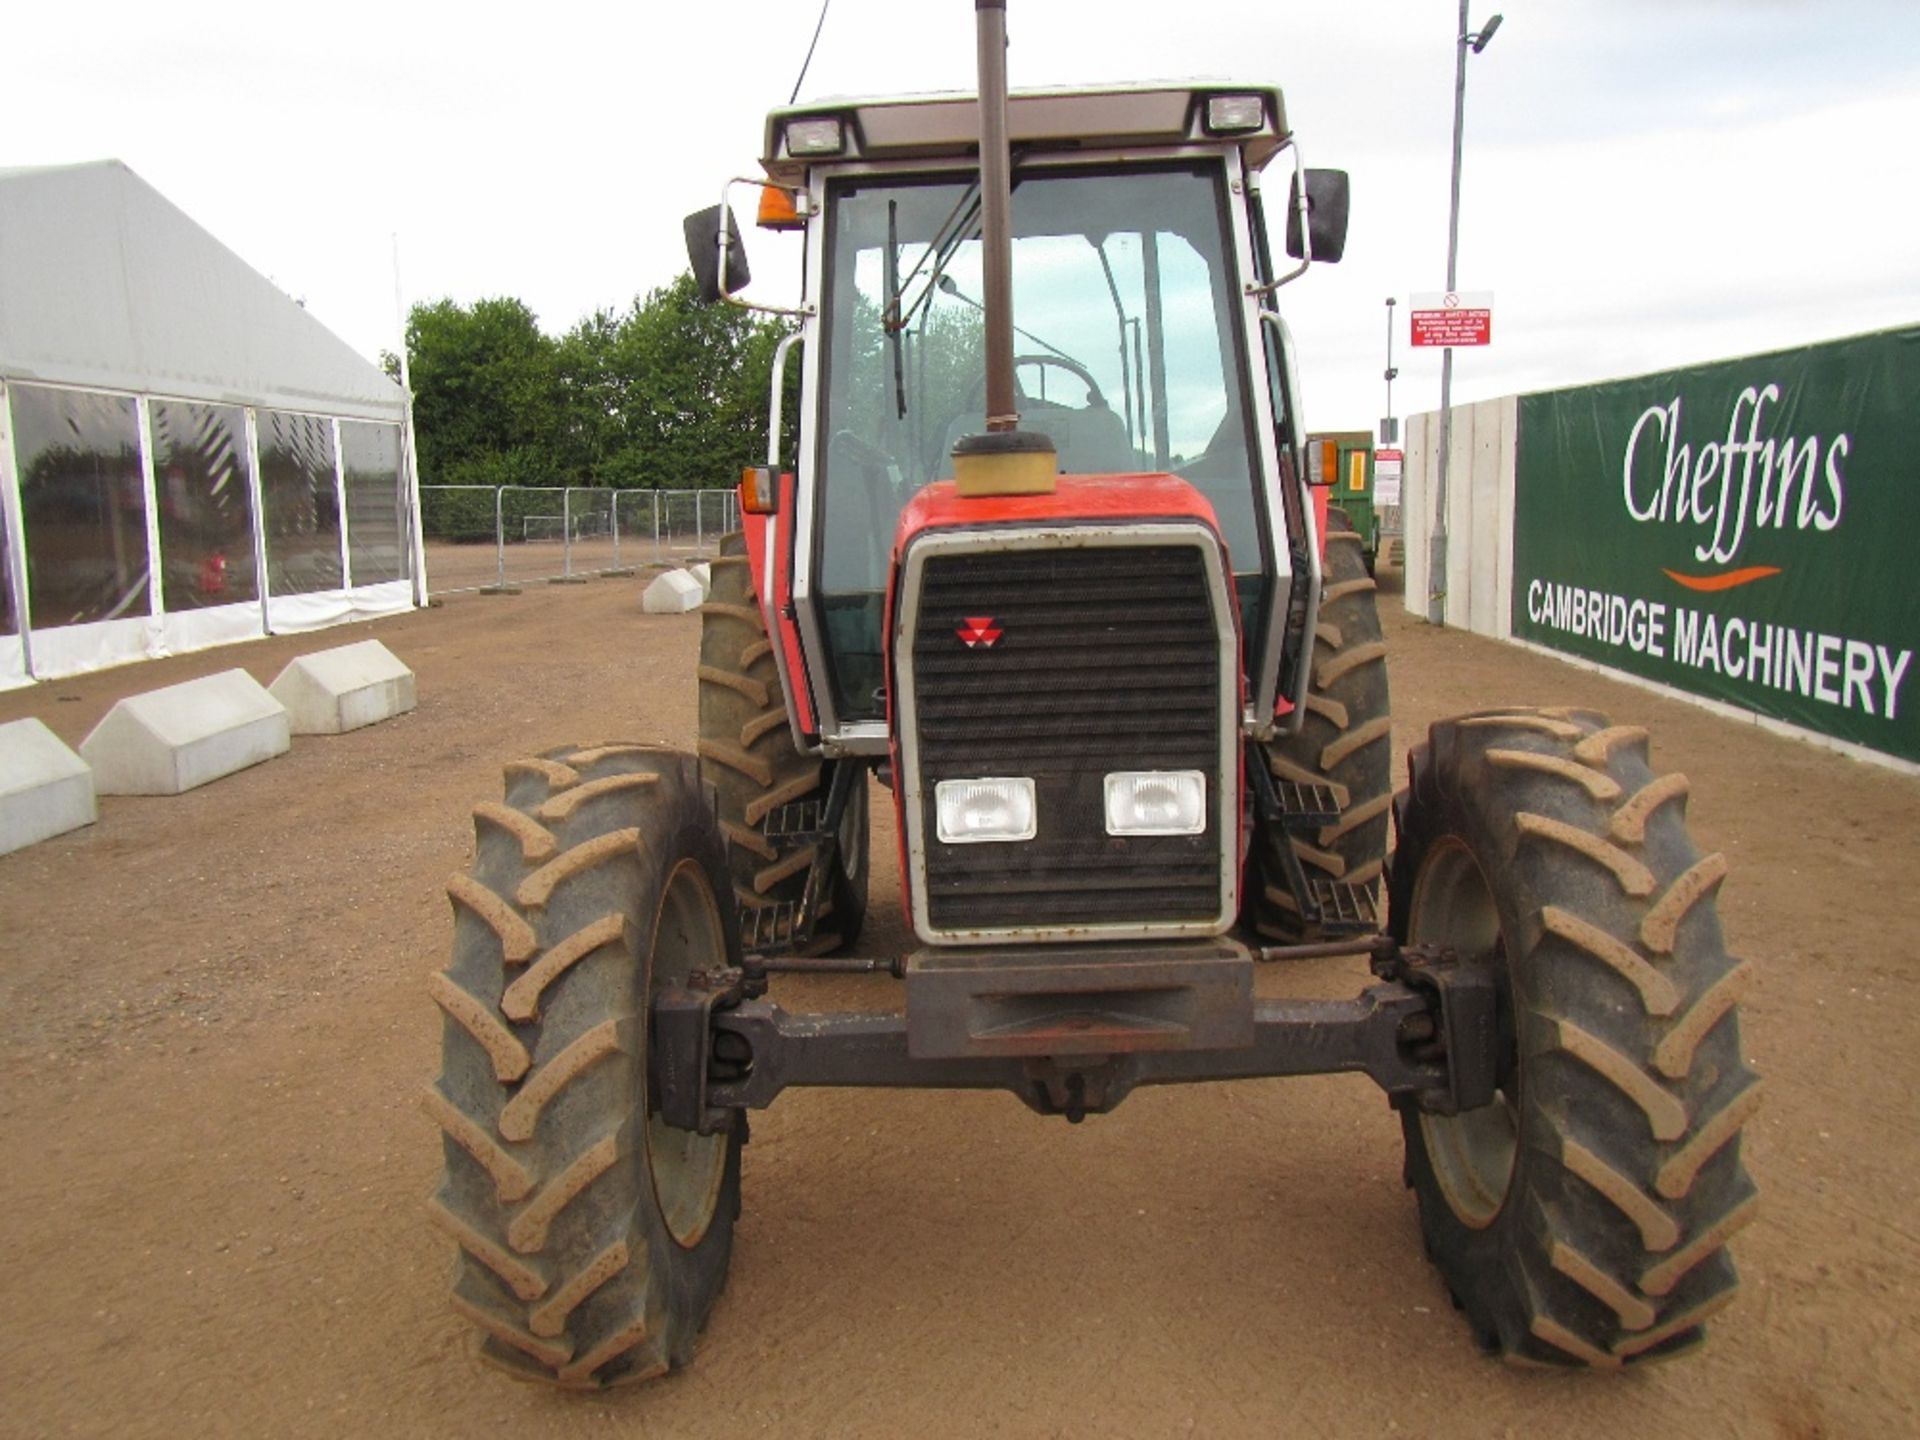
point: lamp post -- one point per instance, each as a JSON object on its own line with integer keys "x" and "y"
{"x": 1389, "y": 432}
{"x": 1464, "y": 40}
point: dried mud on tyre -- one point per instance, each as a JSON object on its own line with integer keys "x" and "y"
{"x": 593, "y": 1240}
{"x": 1581, "y": 1220}
{"x": 747, "y": 754}
{"x": 1344, "y": 741}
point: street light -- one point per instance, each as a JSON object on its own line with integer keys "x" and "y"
{"x": 1389, "y": 432}
{"x": 1437, "y": 543}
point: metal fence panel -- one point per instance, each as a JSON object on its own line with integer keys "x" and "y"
{"x": 458, "y": 524}
{"x": 679, "y": 523}
{"x": 587, "y": 548}
{"x": 532, "y": 523}
{"x": 637, "y": 527}
{"x": 480, "y": 536}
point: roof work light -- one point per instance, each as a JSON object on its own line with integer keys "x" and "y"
{"x": 1234, "y": 114}
{"x": 815, "y": 135}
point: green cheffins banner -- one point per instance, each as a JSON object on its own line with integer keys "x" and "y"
{"x": 1748, "y": 531}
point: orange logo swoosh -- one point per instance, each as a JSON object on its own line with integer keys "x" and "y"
{"x": 1726, "y": 580}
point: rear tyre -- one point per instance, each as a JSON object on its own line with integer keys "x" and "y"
{"x": 593, "y": 1238}
{"x": 747, "y": 754}
{"x": 1582, "y": 1218}
{"x": 1344, "y": 742}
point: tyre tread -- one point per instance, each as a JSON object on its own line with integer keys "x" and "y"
{"x": 749, "y": 756}
{"x": 1616, "y": 1238}
{"x": 537, "y": 889}
{"x": 562, "y": 1265}
{"x": 522, "y": 1113}
{"x": 1342, "y": 743}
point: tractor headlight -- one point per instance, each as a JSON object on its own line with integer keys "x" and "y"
{"x": 818, "y": 136}
{"x": 974, "y": 811}
{"x": 1234, "y": 114}
{"x": 1156, "y": 802}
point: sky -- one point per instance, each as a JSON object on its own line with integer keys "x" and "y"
{"x": 1646, "y": 183}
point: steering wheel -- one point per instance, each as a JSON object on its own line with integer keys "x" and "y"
{"x": 977, "y": 392}
{"x": 1072, "y": 367}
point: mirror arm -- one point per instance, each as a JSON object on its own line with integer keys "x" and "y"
{"x": 802, "y": 311}
{"x": 1306, "y": 234}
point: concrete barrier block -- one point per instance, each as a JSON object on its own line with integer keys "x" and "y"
{"x": 674, "y": 593}
{"x": 703, "y": 572}
{"x": 181, "y": 736}
{"x": 45, "y": 789}
{"x": 333, "y": 691}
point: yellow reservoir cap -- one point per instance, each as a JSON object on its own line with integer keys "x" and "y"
{"x": 1004, "y": 462}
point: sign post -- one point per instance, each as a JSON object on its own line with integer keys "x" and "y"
{"x": 1447, "y": 318}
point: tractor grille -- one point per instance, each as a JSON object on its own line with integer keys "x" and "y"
{"x": 1107, "y": 659}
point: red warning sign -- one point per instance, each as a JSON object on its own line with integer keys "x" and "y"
{"x": 1453, "y": 317}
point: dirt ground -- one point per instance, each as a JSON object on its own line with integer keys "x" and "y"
{"x": 216, "y": 1033}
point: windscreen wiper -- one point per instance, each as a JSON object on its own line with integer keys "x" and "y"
{"x": 891, "y": 321}
{"x": 961, "y": 224}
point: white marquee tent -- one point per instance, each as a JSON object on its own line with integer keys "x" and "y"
{"x": 186, "y": 456}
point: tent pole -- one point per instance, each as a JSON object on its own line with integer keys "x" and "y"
{"x": 410, "y": 457}
{"x": 258, "y": 493}
{"x": 340, "y": 506}
{"x": 16, "y": 540}
{"x": 156, "y": 594}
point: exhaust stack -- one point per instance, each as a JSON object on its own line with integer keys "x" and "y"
{"x": 1004, "y": 459}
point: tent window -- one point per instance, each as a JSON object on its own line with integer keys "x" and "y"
{"x": 375, "y": 515}
{"x": 206, "y": 505}
{"x": 302, "y": 505}
{"x": 83, "y": 505}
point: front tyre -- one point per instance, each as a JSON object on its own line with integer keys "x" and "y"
{"x": 594, "y": 1239}
{"x": 747, "y": 754}
{"x": 1582, "y": 1218}
{"x": 1344, "y": 742}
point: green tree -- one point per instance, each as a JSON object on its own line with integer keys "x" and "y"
{"x": 590, "y": 397}
{"x": 941, "y": 370}
{"x": 486, "y": 398}
{"x": 671, "y": 394}
{"x": 694, "y": 388}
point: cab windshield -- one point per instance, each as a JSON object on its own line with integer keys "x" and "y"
{"x": 1127, "y": 354}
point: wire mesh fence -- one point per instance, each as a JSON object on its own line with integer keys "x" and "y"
{"x": 482, "y": 537}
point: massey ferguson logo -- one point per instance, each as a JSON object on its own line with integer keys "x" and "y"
{"x": 978, "y": 631}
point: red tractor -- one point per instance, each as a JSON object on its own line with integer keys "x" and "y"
{"x": 1053, "y": 578}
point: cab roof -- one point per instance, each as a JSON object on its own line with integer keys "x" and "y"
{"x": 947, "y": 125}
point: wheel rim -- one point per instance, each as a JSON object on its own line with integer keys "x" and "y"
{"x": 687, "y": 1168}
{"x": 1473, "y": 1154}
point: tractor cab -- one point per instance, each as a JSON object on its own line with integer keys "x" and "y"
{"x": 1141, "y": 602}
{"x": 1144, "y": 341}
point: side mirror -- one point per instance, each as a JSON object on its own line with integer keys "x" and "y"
{"x": 703, "y": 254}
{"x": 1326, "y": 216}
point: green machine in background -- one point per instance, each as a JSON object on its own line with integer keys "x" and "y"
{"x": 1343, "y": 461}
